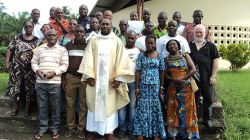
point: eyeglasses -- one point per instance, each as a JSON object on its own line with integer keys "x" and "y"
{"x": 28, "y": 26}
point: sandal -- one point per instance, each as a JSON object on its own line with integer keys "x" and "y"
{"x": 55, "y": 135}
{"x": 37, "y": 136}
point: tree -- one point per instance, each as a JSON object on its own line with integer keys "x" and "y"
{"x": 68, "y": 14}
{"x": 10, "y": 25}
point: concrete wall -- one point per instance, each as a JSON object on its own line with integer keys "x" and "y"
{"x": 216, "y": 12}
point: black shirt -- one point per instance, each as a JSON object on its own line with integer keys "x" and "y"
{"x": 204, "y": 58}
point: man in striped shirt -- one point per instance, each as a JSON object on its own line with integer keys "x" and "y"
{"x": 72, "y": 85}
{"x": 49, "y": 62}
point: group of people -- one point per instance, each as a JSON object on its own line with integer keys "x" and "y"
{"x": 108, "y": 78}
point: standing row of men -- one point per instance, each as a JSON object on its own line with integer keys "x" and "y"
{"x": 103, "y": 68}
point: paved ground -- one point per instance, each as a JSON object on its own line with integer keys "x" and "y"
{"x": 22, "y": 128}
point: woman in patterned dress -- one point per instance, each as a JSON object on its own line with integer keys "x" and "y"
{"x": 181, "y": 114}
{"x": 150, "y": 67}
{"x": 18, "y": 62}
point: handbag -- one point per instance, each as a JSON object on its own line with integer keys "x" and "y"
{"x": 194, "y": 85}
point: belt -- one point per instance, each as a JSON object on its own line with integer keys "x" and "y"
{"x": 75, "y": 74}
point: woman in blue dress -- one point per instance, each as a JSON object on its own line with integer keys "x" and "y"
{"x": 149, "y": 91}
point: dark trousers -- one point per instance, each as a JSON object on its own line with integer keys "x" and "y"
{"x": 206, "y": 91}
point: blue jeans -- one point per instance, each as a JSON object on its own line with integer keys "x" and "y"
{"x": 48, "y": 94}
{"x": 123, "y": 111}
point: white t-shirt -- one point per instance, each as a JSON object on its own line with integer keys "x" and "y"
{"x": 162, "y": 41}
{"x": 140, "y": 43}
{"x": 133, "y": 54}
{"x": 180, "y": 29}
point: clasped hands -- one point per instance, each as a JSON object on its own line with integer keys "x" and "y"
{"x": 43, "y": 75}
{"x": 114, "y": 83}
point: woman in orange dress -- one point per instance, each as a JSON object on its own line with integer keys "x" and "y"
{"x": 181, "y": 114}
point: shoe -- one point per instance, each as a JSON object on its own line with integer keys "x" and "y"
{"x": 38, "y": 136}
{"x": 81, "y": 135}
{"x": 122, "y": 134}
{"x": 14, "y": 109}
{"x": 70, "y": 132}
{"x": 55, "y": 135}
{"x": 27, "y": 110}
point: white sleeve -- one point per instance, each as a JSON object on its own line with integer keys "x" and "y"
{"x": 159, "y": 46}
{"x": 186, "y": 48}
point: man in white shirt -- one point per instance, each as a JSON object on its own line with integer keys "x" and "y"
{"x": 35, "y": 15}
{"x": 177, "y": 18}
{"x": 140, "y": 42}
{"x": 161, "y": 42}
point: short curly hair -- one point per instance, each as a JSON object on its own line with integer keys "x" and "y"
{"x": 178, "y": 43}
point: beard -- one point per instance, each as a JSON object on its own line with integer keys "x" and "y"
{"x": 199, "y": 39}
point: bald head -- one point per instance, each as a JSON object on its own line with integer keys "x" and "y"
{"x": 83, "y": 10}
{"x": 59, "y": 13}
{"x": 52, "y": 12}
{"x": 108, "y": 14}
{"x": 146, "y": 14}
{"x": 177, "y": 17}
{"x": 199, "y": 32}
{"x": 123, "y": 25}
{"x": 99, "y": 16}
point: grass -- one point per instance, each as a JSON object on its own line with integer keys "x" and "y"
{"x": 3, "y": 82}
{"x": 233, "y": 89}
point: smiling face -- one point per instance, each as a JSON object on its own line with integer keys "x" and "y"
{"x": 199, "y": 33}
{"x": 172, "y": 47}
{"x": 134, "y": 16}
{"x": 51, "y": 37}
{"x": 45, "y": 28}
{"x": 197, "y": 16}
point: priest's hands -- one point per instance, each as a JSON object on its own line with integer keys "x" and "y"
{"x": 91, "y": 81}
{"x": 115, "y": 84}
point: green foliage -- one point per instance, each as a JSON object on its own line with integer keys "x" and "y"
{"x": 67, "y": 13}
{"x": 4, "y": 78}
{"x": 233, "y": 90}
{"x": 11, "y": 25}
{"x": 2, "y": 58}
{"x": 237, "y": 54}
